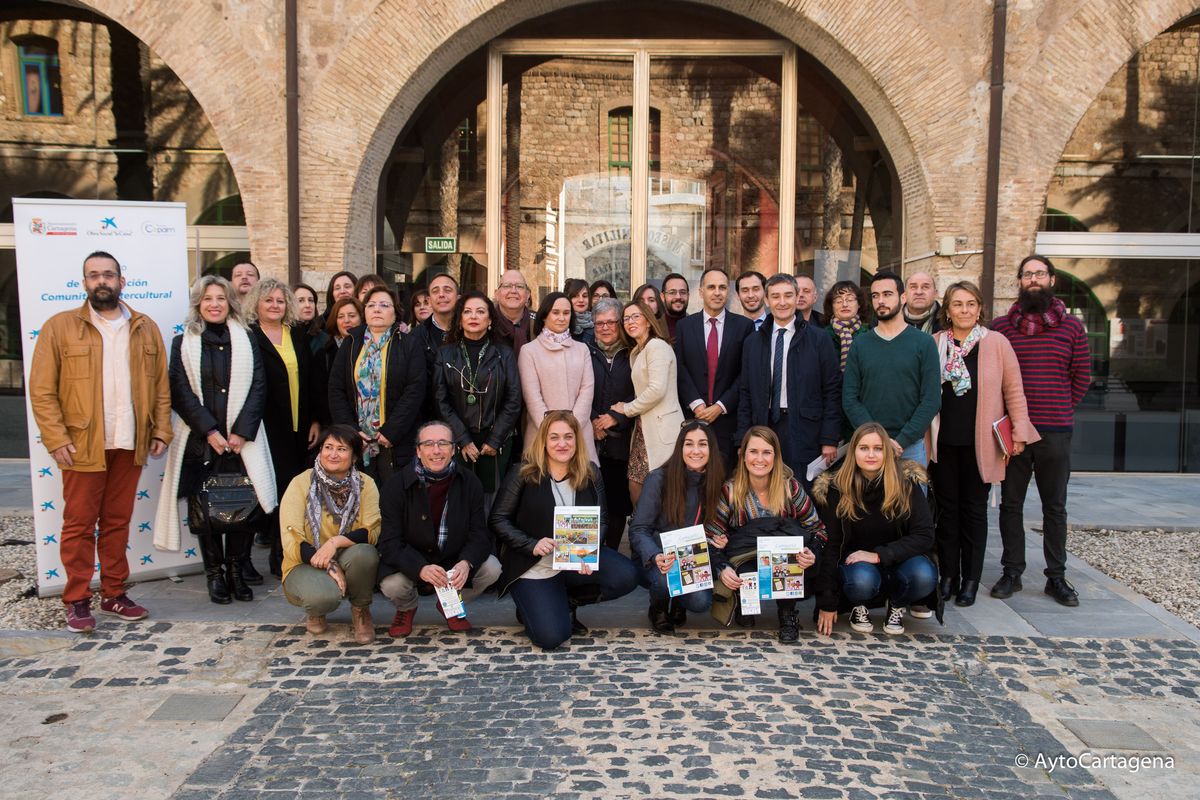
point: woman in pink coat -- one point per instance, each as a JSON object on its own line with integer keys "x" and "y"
{"x": 556, "y": 371}
{"x": 981, "y": 382}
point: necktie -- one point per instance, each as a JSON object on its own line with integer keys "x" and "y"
{"x": 712, "y": 358}
{"x": 777, "y": 377}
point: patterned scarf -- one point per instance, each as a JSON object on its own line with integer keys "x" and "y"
{"x": 426, "y": 476}
{"x": 845, "y": 330}
{"x": 1035, "y": 324}
{"x": 562, "y": 339}
{"x": 367, "y": 381}
{"x": 339, "y": 498}
{"x": 955, "y": 369}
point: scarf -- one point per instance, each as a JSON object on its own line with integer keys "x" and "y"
{"x": 845, "y": 330}
{"x": 610, "y": 351}
{"x": 367, "y": 382}
{"x": 955, "y": 369}
{"x": 923, "y": 321}
{"x": 558, "y": 339}
{"x": 339, "y": 498}
{"x": 583, "y": 322}
{"x": 426, "y": 475}
{"x": 1035, "y": 324}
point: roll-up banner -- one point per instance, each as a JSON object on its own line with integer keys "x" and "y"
{"x": 150, "y": 241}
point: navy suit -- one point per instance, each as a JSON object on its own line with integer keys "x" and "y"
{"x": 814, "y": 392}
{"x": 691, "y": 356}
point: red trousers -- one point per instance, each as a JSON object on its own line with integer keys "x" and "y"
{"x": 103, "y": 500}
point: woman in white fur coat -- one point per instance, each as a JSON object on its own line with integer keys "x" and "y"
{"x": 218, "y": 389}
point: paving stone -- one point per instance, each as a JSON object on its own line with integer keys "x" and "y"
{"x": 196, "y": 708}
{"x": 1112, "y": 735}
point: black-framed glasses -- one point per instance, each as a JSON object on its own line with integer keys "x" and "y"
{"x": 441, "y": 444}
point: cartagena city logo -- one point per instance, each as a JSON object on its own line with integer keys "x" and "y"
{"x": 41, "y": 227}
{"x": 109, "y": 227}
{"x": 157, "y": 229}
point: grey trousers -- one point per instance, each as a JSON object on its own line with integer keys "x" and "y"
{"x": 317, "y": 593}
{"x": 402, "y": 590}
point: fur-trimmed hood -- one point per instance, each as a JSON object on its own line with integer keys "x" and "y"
{"x": 911, "y": 470}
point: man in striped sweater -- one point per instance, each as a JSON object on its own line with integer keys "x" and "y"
{"x": 1051, "y": 346}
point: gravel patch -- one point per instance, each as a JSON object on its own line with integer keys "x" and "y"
{"x": 20, "y": 607}
{"x": 1158, "y": 564}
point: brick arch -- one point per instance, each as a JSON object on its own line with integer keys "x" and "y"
{"x": 397, "y": 55}
{"x": 1051, "y": 90}
{"x": 237, "y": 94}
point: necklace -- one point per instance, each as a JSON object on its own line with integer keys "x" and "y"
{"x": 472, "y": 376}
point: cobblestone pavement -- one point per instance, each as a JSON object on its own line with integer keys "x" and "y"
{"x": 619, "y": 713}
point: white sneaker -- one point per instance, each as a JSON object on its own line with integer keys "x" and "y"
{"x": 920, "y": 612}
{"x": 895, "y": 615}
{"x": 860, "y": 620}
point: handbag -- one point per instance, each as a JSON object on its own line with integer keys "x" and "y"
{"x": 226, "y": 501}
{"x": 725, "y": 600}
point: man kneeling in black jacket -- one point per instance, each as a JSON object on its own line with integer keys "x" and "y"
{"x": 434, "y": 532}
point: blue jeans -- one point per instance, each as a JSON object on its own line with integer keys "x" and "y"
{"x": 904, "y": 584}
{"x": 545, "y": 604}
{"x": 656, "y": 583}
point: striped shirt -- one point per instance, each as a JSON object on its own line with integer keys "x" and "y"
{"x": 1055, "y": 370}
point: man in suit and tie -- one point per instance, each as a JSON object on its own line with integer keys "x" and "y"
{"x": 708, "y": 351}
{"x": 791, "y": 382}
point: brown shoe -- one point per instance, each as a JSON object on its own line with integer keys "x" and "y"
{"x": 315, "y": 625}
{"x": 363, "y": 625}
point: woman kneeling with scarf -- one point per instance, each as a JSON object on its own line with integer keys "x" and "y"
{"x": 329, "y": 519}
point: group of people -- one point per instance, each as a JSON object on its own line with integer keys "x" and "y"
{"x": 421, "y": 450}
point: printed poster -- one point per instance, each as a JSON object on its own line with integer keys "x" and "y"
{"x": 692, "y": 569}
{"x": 576, "y": 537}
{"x": 780, "y": 576}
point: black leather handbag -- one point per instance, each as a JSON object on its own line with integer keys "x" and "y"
{"x": 226, "y": 501}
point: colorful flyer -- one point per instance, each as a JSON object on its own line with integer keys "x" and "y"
{"x": 780, "y": 576}
{"x": 748, "y": 593}
{"x": 692, "y": 570}
{"x": 451, "y": 600}
{"x": 576, "y": 537}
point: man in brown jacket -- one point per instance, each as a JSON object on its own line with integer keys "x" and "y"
{"x": 99, "y": 392}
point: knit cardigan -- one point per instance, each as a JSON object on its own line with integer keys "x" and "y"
{"x": 998, "y": 391}
{"x": 256, "y": 454}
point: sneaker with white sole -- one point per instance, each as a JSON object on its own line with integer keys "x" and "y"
{"x": 860, "y": 619}
{"x": 895, "y": 618}
{"x": 79, "y": 617}
{"x": 123, "y": 607}
{"x": 920, "y": 612}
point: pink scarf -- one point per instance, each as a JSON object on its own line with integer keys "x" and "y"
{"x": 1034, "y": 324}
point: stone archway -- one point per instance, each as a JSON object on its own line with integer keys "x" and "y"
{"x": 230, "y": 75}
{"x": 393, "y": 59}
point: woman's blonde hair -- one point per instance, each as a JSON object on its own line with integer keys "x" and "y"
{"x": 194, "y": 323}
{"x": 850, "y": 480}
{"x": 291, "y": 312}
{"x": 777, "y": 481}
{"x": 537, "y": 461}
{"x": 969, "y": 288}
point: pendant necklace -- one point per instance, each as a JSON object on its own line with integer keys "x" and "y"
{"x": 472, "y": 377}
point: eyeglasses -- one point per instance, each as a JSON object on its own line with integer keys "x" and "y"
{"x": 633, "y": 318}
{"x": 606, "y": 324}
{"x": 675, "y": 293}
{"x": 1036, "y": 274}
{"x": 440, "y": 444}
{"x": 519, "y": 286}
{"x": 378, "y": 306}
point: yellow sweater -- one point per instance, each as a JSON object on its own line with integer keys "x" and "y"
{"x": 294, "y": 530}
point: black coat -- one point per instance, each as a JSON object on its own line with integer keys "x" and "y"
{"x": 614, "y": 383}
{"x": 524, "y": 513}
{"x": 691, "y": 354}
{"x": 894, "y": 541}
{"x": 322, "y": 366}
{"x": 207, "y": 413}
{"x": 494, "y": 415}
{"x": 408, "y": 537}
{"x": 814, "y": 391}
{"x": 289, "y": 449}
{"x": 430, "y": 338}
{"x": 404, "y": 379}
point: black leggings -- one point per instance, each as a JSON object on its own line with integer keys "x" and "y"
{"x": 962, "y": 504}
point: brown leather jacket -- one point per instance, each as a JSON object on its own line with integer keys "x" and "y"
{"x": 66, "y": 389}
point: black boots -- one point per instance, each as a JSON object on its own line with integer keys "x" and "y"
{"x": 789, "y": 624}
{"x": 948, "y": 587}
{"x": 212, "y": 552}
{"x": 660, "y": 618}
{"x": 238, "y": 550}
{"x": 966, "y": 594}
